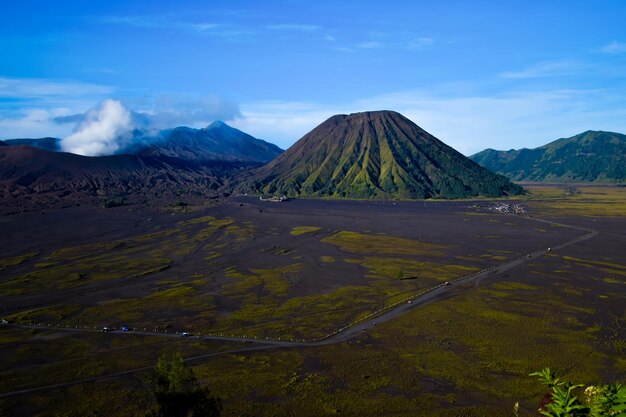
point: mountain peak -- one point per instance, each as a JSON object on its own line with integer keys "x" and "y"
{"x": 376, "y": 154}
{"x": 217, "y": 142}
{"x": 217, "y": 124}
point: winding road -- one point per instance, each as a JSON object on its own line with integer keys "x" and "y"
{"x": 351, "y": 331}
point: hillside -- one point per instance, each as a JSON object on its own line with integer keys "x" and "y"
{"x": 379, "y": 154}
{"x": 48, "y": 144}
{"x": 217, "y": 142}
{"x": 176, "y": 164}
{"x": 592, "y": 156}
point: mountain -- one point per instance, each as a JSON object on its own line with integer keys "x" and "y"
{"x": 49, "y": 144}
{"x": 170, "y": 166}
{"x": 379, "y": 154}
{"x": 217, "y": 142}
{"x": 592, "y": 156}
{"x": 33, "y": 179}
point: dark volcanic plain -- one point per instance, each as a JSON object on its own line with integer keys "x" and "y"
{"x": 299, "y": 271}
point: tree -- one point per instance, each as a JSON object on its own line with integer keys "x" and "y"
{"x": 178, "y": 393}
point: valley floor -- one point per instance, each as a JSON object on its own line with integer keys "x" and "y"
{"x": 247, "y": 270}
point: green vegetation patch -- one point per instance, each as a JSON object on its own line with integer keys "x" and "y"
{"x": 608, "y": 265}
{"x": 83, "y": 272}
{"x": 180, "y": 307}
{"x": 300, "y": 230}
{"x": 51, "y": 314}
{"x": 356, "y": 242}
{"x": 589, "y": 201}
{"x": 16, "y": 260}
{"x": 398, "y": 268}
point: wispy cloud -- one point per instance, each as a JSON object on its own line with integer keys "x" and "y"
{"x": 468, "y": 123}
{"x": 170, "y": 110}
{"x": 203, "y": 27}
{"x": 370, "y": 45}
{"x": 52, "y": 107}
{"x": 293, "y": 27}
{"x": 174, "y": 22}
{"x": 420, "y": 43}
{"x": 34, "y": 123}
{"x": 546, "y": 69}
{"x": 613, "y": 48}
{"x": 37, "y": 88}
{"x": 390, "y": 41}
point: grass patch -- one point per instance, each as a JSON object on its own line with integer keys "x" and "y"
{"x": 16, "y": 260}
{"x": 356, "y": 242}
{"x": 301, "y": 230}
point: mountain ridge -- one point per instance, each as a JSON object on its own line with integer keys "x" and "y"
{"x": 591, "y": 156}
{"x": 216, "y": 142}
{"x": 167, "y": 169}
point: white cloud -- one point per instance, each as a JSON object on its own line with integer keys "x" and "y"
{"x": 420, "y": 43}
{"x": 294, "y": 27}
{"x": 203, "y": 27}
{"x": 370, "y": 45}
{"x": 174, "y": 22}
{"x": 102, "y": 131}
{"x": 171, "y": 110}
{"x": 613, "y": 48}
{"x": 547, "y": 69}
{"x": 34, "y": 123}
{"x": 280, "y": 122}
{"x": 42, "y": 107}
{"x": 467, "y": 123}
{"x": 36, "y": 88}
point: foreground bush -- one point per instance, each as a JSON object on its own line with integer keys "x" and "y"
{"x": 566, "y": 399}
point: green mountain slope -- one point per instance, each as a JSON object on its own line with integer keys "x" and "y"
{"x": 378, "y": 154}
{"x": 592, "y": 156}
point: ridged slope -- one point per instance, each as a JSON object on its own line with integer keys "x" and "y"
{"x": 378, "y": 154}
{"x": 217, "y": 142}
{"x": 592, "y": 156}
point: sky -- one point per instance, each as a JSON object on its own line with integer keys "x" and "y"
{"x": 476, "y": 74}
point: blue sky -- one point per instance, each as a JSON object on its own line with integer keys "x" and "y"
{"x": 475, "y": 74}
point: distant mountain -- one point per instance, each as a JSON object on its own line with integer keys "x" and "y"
{"x": 174, "y": 164}
{"x": 592, "y": 156}
{"x": 379, "y": 154}
{"x": 217, "y": 142}
{"x": 48, "y": 144}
